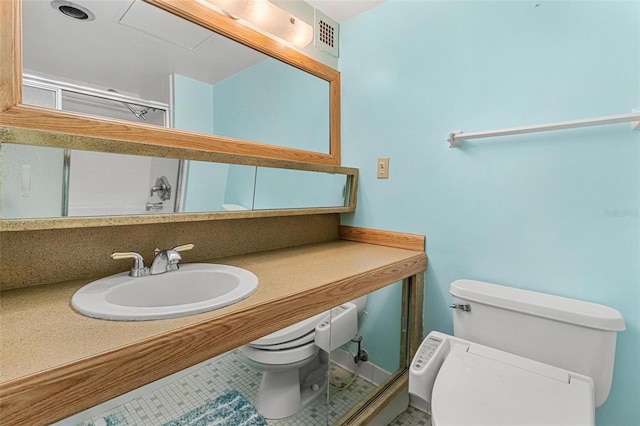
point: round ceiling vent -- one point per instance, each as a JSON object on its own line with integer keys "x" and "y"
{"x": 73, "y": 10}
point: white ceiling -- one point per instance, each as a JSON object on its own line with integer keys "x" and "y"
{"x": 341, "y": 10}
{"x": 108, "y": 54}
{"x": 127, "y": 56}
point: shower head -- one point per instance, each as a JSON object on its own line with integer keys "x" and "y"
{"x": 140, "y": 115}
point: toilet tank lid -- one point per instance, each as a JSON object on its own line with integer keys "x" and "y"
{"x": 558, "y": 308}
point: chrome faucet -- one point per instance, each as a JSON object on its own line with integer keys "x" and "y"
{"x": 162, "y": 187}
{"x": 165, "y": 261}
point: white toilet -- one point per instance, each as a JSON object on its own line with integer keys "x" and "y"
{"x": 294, "y": 360}
{"x": 518, "y": 358}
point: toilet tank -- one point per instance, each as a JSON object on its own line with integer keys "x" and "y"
{"x": 570, "y": 334}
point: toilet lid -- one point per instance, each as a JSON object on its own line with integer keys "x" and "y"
{"x": 290, "y": 333}
{"x": 477, "y": 385}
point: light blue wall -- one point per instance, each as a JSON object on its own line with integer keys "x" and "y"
{"x": 274, "y": 103}
{"x": 380, "y": 326}
{"x": 193, "y": 110}
{"x": 192, "y": 105}
{"x": 289, "y": 189}
{"x": 552, "y": 212}
{"x": 270, "y": 102}
{"x": 240, "y": 185}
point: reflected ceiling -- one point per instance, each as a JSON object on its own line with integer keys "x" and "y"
{"x": 124, "y": 29}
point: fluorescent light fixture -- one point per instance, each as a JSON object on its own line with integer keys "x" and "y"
{"x": 269, "y": 18}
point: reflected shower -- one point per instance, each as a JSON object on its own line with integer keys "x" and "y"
{"x": 140, "y": 115}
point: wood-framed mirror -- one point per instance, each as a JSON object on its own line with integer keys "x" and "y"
{"x": 275, "y": 187}
{"x": 13, "y": 112}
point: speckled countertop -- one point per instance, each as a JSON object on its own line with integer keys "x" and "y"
{"x": 40, "y": 331}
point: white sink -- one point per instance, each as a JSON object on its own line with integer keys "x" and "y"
{"x": 193, "y": 289}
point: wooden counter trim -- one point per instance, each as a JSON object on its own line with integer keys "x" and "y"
{"x": 61, "y": 139}
{"x": 412, "y": 301}
{"x": 33, "y": 117}
{"x": 15, "y": 225}
{"x": 383, "y": 238}
{"x": 57, "y": 393}
{"x": 10, "y": 54}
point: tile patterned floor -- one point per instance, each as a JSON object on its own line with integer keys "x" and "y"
{"x": 412, "y": 417}
{"x": 227, "y": 372}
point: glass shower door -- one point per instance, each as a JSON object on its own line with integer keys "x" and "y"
{"x": 39, "y": 181}
{"x": 33, "y": 176}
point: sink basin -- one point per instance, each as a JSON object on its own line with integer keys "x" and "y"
{"x": 193, "y": 289}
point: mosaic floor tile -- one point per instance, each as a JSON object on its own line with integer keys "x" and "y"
{"x": 412, "y": 417}
{"x": 229, "y": 372}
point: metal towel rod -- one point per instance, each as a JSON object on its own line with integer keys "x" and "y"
{"x": 456, "y": 138}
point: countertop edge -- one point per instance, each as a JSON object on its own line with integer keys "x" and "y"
{"x": 64, "y": 390}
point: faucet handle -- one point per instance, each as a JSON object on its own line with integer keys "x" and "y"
{"x": 138, "y": 269}
{"x": 184, "y": 247}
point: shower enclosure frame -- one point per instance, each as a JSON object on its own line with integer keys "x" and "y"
{"x": 59, "y": 88}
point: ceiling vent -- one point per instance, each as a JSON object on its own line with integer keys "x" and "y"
{"x": 326, "y": 34}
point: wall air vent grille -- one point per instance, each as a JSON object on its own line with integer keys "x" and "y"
{"x": 327, "y": 34}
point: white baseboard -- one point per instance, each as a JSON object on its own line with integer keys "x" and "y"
{"x": 368, "y": 370}
{"x": 394, "y": 408}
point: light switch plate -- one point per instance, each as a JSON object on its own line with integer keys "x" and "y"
{"x": 383, "y": 168}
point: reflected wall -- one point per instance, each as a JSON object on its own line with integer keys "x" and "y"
{"x": 340, "y": 383}
{"x": 133, "y": 48}
{"x": 54, "y": 182}
{"x": 273, "y": 103}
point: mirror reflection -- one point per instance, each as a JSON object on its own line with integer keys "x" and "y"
{"x": 320, "y": 381}
{"x": 283, "y": 188}
{"x": 86, "y": 183}
{"x": 42, "y": 182}
{"x": 133, "y": 51}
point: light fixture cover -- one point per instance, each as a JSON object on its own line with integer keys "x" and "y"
{"x": 269, "y": 18}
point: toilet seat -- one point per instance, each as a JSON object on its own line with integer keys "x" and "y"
{"x": 282, "y": 357}
{"x": 477, "y": 385}
{"x": 299, "y": 330}
{"x": 307, "y": 338}
{"x": 291, "y": 345}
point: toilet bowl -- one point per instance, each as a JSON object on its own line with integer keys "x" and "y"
{"x": 294, "y": 361}
{"x": 281, "y": 356}
{"x": 517, "y": 358}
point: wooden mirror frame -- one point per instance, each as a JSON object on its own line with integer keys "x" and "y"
{"x": 14, "y": 113}
{"x": 43, "y": 138}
